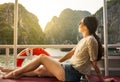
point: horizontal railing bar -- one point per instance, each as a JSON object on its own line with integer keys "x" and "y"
{"x": 6, "y": 46}
{"x": 34, "y": 46}
{"x": 113, "y": 57}
{"x": 21, "y": 57}
{"x": 113, "y": 45}
{"x": 109, "y": 57}
{"x": 46, "y": 46}
{"x": 110, "y": 69}
{"x": 51, "y": 46}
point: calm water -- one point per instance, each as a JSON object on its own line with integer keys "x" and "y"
{"x": 55, "y": 52}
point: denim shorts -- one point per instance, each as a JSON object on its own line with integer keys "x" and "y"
{"x": 71, "y": 74}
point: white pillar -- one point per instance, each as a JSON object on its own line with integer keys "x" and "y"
{"x": 15, "y": 30}
{"x": 105, "y": 37}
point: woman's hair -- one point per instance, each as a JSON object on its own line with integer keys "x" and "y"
{"x": 92, "y": 24}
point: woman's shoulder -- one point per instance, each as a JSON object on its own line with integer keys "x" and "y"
{"x": 91, "y": 38}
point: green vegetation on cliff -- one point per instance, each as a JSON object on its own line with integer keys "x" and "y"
{"x": 29, "y": 31}
{"x": 64, "y": 28}
{"x": 113, "y": 16}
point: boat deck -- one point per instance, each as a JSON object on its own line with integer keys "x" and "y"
{"x": 92, "y": 78}
{"x": 30, "y": 79}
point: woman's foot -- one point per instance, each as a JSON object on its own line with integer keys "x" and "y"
{"x": 2, "y": 76}
{"x": 10, "y": 75}
{"x": 1, "y": 68}
{"x": 110, "y": 80}
{"x": 6, "y": 70}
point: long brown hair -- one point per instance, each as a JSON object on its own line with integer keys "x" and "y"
{"x": 92, "y": 23}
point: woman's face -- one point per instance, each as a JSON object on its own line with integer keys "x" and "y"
{"x": 81, "y": 26}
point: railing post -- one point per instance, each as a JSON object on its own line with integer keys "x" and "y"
{"x": 105, "y": 37}
{"x": 7, "y": 56}
{"x": 15, "y": 30}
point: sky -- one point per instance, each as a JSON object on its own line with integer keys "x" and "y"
{"x": 46, "y": 9}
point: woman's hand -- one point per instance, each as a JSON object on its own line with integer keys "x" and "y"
{"x": 110, "y": 80}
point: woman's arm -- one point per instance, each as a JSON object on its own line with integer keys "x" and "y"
{"x": 94, "y": 63}
{"x": 95, "y": 66}
{"x": 67, "y": 56}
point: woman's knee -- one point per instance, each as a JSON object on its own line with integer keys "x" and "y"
{"x": 41, "y": 56}
{"x": 38, "y": 71}
{"x": 61, "y": 76}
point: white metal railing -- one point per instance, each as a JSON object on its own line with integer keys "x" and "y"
{"x": 105, "y": 36}
{"x": 34, "y": 46}
{"x": 7, "y": 47}
{"x": 7, "y": 56}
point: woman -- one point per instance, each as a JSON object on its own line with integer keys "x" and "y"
{"x": 85, "y": 55}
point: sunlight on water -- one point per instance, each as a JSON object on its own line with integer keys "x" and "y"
{"x": 55, "y": 52}
{"x": 9, "y": 61}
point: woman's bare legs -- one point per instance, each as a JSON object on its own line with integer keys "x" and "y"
{"x": 40, "y": 71}
{"x": 51, "y": 65}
